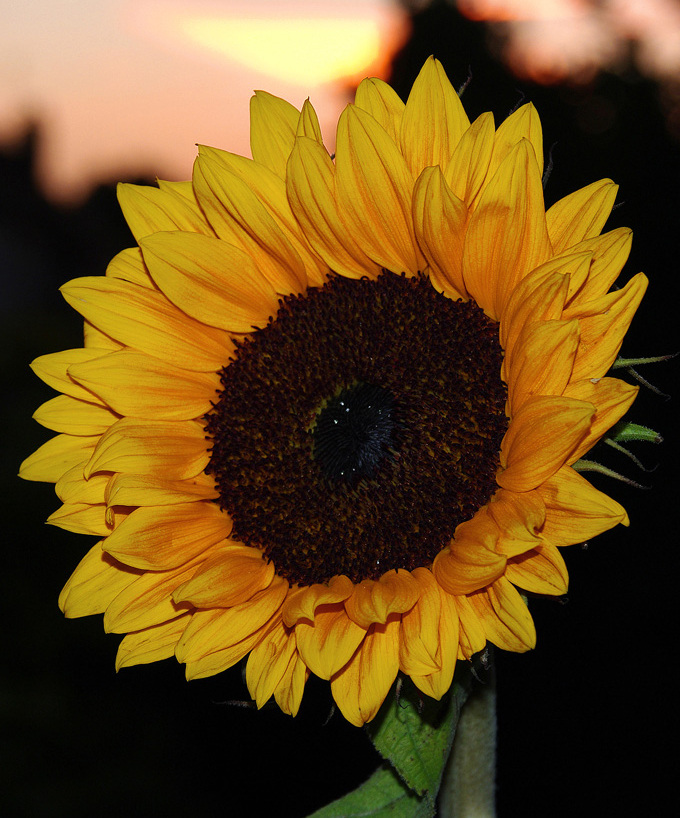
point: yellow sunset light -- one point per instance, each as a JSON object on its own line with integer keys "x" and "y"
{"x": 310, "y": 51}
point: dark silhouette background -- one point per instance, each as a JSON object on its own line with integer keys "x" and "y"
{"x": 587, "y": 722}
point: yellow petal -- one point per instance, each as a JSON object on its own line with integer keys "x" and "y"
{"x": 232, "y": 170}
{"x": 174, "y": 451}
{"x": 159, "y": 538}
{"x": 361, "y": 686}
{"x": 580, "y": 215}
{"x": 217, "y": 629}
{"x": 302, "y": 603}
{"x": 469, "y": 163}
{"x": 470, "y": 562}
{"x": 273, "y": 123}
{"x": 233, "y": 575}
{"x": 575, "y": 510}
{"x": 434, "y": 119}
{"x": 242, "y": 219}
{"x": 439, "y": 218}
{"x": 54, "y": 458}
{"x": 145, "y": 490}
{"x": 268, "y": 662}
{"x": 539, "y": 571}
{"x": 53, "y": 370}
{"x": 145, "y": 320}
{"x": 147, "y": 602}
{"x": 151, "y": 644}
{"x": 383, "y": 103}
{"x": 149, "y": 209}
{"x": 310, "y": 185}
{"x": 308, "y": 124}
{"x": 72, "y": 487}
{"x": 328, "y": 643}
{"x": 375, "y": 600}
{"x": 97, "y": 580}
{"x": 129, "y": 266}
{"x": 436, "y": 684}
{"x": 136, "y": 384}
{"x": 81, "y": 518}
{"x": 472, "y": 637}
{"x": 611, "y": 397}
{"x": 507, "y": 235}
{"x": 519, "y": 518}
{"x": 505, "y": 617}
{"x": 524, "y": 123}
{"x": 374, "y": 188}
{"x": 542, "y": 435}
{"x": 74, "y": 417}
{"x": 604, "y": 323}
{"x": 212, "y": 281}
{"x": 420, "y": 638}
{"x": 543, "y": 361}
{"x": 609, "y": 253}
{"x": 542, "y": 294}
{"x": 288, "y": 693}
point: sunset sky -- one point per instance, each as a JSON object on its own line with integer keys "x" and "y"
{"x": 122, "y": 88}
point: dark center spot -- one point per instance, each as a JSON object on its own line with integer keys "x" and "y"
{"x": 354, "y": 431}
{"x": 358, "y": 428}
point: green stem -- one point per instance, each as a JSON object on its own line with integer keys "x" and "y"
{"x": 469, "y": 786}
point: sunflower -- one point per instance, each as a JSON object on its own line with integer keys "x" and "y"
{"x": 326, "y": 412}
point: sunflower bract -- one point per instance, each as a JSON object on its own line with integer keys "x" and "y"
{"x": 325, "y": 414}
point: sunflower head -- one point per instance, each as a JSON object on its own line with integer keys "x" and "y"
{"x": 326, "y": 412}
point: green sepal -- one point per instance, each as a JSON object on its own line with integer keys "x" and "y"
{"x": 384, "y": 795}
{"x": 625, "y": 431}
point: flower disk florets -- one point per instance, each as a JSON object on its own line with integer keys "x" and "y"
{"x": 417, "y": 376}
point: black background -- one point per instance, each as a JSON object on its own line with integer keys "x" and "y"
{"x": 587, "y": 721}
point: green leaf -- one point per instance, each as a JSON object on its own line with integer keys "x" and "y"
{"x": 382, "y": 796}
{"x": 415, "y": 733}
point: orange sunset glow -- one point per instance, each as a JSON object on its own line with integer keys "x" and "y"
{"x": 123, "y": 87}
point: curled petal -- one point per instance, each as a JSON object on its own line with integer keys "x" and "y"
{"x": 149, "y": 210}
{"x": 301, "y": 603}
{"x": 612, "y": 399}
{"x": 604, "y": 323}
{"x": 175, "y": 451}
{"x": 470, "y": 562}
{"x": 519, "y": 518}
{"x": 328, "y": 643}
{"x": 375, "y": 600}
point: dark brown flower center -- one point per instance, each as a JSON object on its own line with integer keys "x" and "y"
{"x": 358, "y": 428}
